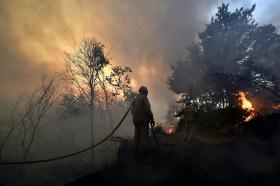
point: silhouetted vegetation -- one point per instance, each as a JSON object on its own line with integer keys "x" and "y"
{"x": 27, "y": 121}
{"x": 86, "y": 71}
{"x": 232, "y": 43}
{"x": 65, "y": 115}
{"x": 83, "y": 108}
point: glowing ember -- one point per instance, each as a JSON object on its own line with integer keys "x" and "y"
{"x": 170, "y": 130}
{"x": 276, "y": 107}
{"x": 246, "y": 105}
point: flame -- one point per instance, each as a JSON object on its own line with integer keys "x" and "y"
{"x": 247, "y": 105}
{"x": 170, "y": 129}
{"x": 276, "y": 107}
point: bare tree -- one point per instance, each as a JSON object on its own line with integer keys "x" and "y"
{"x": 15, "y": 123}
{"x": 39, "y": 103}
{"x": 28, "y": 121}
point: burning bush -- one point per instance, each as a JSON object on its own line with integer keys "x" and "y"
{"x": 247, "y": 106}
{"x": 234, "y": 54}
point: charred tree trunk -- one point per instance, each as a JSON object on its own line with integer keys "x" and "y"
{"x": 92, "y": 120}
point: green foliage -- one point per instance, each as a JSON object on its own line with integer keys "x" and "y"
{"x": 232, "y": 43}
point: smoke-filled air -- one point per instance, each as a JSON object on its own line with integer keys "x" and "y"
{"x": 129, "y": 92}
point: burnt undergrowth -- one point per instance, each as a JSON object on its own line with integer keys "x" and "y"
{"x": 250, "y": 158}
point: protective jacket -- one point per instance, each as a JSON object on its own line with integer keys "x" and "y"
{"x": 141, "y": 109}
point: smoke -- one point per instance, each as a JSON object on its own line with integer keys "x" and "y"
{"x": 61, "y": 132}
{"x": 145, "y": 35}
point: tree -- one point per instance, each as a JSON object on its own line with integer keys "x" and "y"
{"x": 232, "y": 43}
{"x": 84, "y": 67}
{"x": 120, "y": 81}
{"x": 88, "y": 70}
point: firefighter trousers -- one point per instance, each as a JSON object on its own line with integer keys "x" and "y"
{"x": 141, "y": 136}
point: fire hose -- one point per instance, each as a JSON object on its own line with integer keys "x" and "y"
{"x": 155, "y": 137}
{"x": 70, "y": 154}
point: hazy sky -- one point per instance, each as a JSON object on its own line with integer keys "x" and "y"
{"x": 147, "y": 35}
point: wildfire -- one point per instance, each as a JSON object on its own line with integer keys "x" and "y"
{"x": 247, "y": 105}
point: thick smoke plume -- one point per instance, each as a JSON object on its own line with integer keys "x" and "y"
{"x": 145, "y": 35}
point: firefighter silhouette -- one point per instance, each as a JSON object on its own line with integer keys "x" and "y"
{"x": 187, "y": 114}
{"x": 142, "y": 116}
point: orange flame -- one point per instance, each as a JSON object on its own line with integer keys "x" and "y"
{"x": 247, "y": 105}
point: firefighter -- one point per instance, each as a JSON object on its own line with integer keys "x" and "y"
{"x": 142, "y": 116}
{"x": 187, "y": 112}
